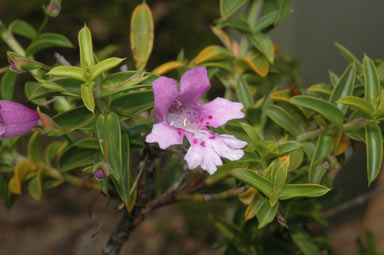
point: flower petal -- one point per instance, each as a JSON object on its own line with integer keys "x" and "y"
{"x": 16, "y": 119}
{"x": 206, "y": 150}
{"x": 193, "y": 84}
{"x": 165, "y": 92}
{"x": 228, "y": 146}
{"x": 205, "y": 156}
{"x": 217, "y": 112}
{"x": 165, "y": 135}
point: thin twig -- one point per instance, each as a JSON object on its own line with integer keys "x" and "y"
{"x": 359, "y": 200}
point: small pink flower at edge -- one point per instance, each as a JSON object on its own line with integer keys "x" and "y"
{"x": 16, "y": 119}
{"x": 180, "y": 114}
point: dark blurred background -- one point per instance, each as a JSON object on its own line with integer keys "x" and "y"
{"x": 61, "y": 221}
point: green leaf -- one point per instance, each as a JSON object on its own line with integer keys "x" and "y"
{"x": 279, "y": 173}
{"x": 333, "y": 78}
{"x": 114, "y": 144}
{"x": 35, "y": 187}
{"x": 86, "y": 47}
{"x": 243, "y": 92}
{"x": 48, "y": 40}
{"x": 302, "y": 190}
{"x": 74, "y": 118}
{"x": 7, "y": 85}
{"x": 374, "y": 141}
{"x": 252, "y": 133}
{"x": 74, "y": 72}
{"x": 371, "y": 81}
{"x": 344, "y": 87}
{"x": 123, "y": 81}
{"x": 264, "y": 44}
{"x": 228, "y": 7}
{"x": 265, "y": 213}
{"x": 282, "y": 118}
{"x": 52, "y": 151}
{"x": 74, "y": 157}
{"x": 326, "y": 109}
{"x": 305, "y": 245}
{"x": 22, "y": 28}
{"x": 296, "y": 157}
{"x": 349, "y": 56}
{"x": 289, "y": 146}
{"x": 322, "y": 88}
{"x": 323, "y": 149}
{"x": 357, "y": 103}
{"x": 142, "y": 35}
{"x": 240, "y": 24}
{"x": 253, "y": 179}
{"x": 124, "y": 185}
{"x": 265, "y": 21}
{"x": 104, "y": 66}
{"x": 87, "y": 96}
{"x": 135, "y": 102}
{"x": 283, "y": 10}
{"x": 34, "y": 148}
{"x": 228, "y": 230}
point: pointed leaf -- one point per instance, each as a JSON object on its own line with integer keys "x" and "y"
{"x": 349, "y": 56}
{"x": 86, "y": 47}
{"x": 142, "y": 34}
{"x": 114, "y": 144}
{"x": 371, "y": 81}
{"x": 302, "y": 190}
{"x": 322, "y": 88}
{"x": 212, "y": 53}
{"x": 323, "y": 149}
{"x": 7, "y": 85}
{"x": 264, "y": 44}
{"x": 243, "y": 92}
{"x": 253, "y": 179}
{"x": 104, "y": 66}
{"x": 20, "y": 27}
{"x": 282, "y": 118}
{"x": 228, "y": 7}
{"x": 344, "y": 87}
{"x": 68, "y": 71}
{"x": 374, "y": 141}
{"x": 357, "y": 103}
{"x": 87, "y": 96}
{"x": 124, "y": 185}
{"x": 326, "y": 109}
{"x": 166, "y": 67}
{"x": 48, "y": 40}
{"x": 74, "y": 118}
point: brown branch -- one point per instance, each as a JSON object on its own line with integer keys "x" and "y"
{"x": 359, "y": 200}
{"x": 131, "y": 220}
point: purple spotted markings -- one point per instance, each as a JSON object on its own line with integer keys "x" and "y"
{"x": 180, "y": 114}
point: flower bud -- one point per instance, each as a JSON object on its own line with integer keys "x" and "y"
{"x": 99, "y": 174}
{"x": 53, "y": 8}
{"x": 16, "y": 119}
{"x": 19, "y": 63}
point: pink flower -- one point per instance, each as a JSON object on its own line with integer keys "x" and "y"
{"x": 16, "y": 119}
{"x": 180, "y": 114}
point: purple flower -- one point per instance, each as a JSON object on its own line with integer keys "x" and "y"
{"x": 180, "y": 114}
{"x": 16, "y": 119}
{"x": 99, "y": 174}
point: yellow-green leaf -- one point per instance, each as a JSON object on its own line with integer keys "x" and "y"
{"x": 374, "y": 141}
{"x": 142, "y": 34}
{"x": 166, "y": 67}
{"x": 211, "y": 53}
{"x": 86, "y": 47}
{"x": 87, "y": 96}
